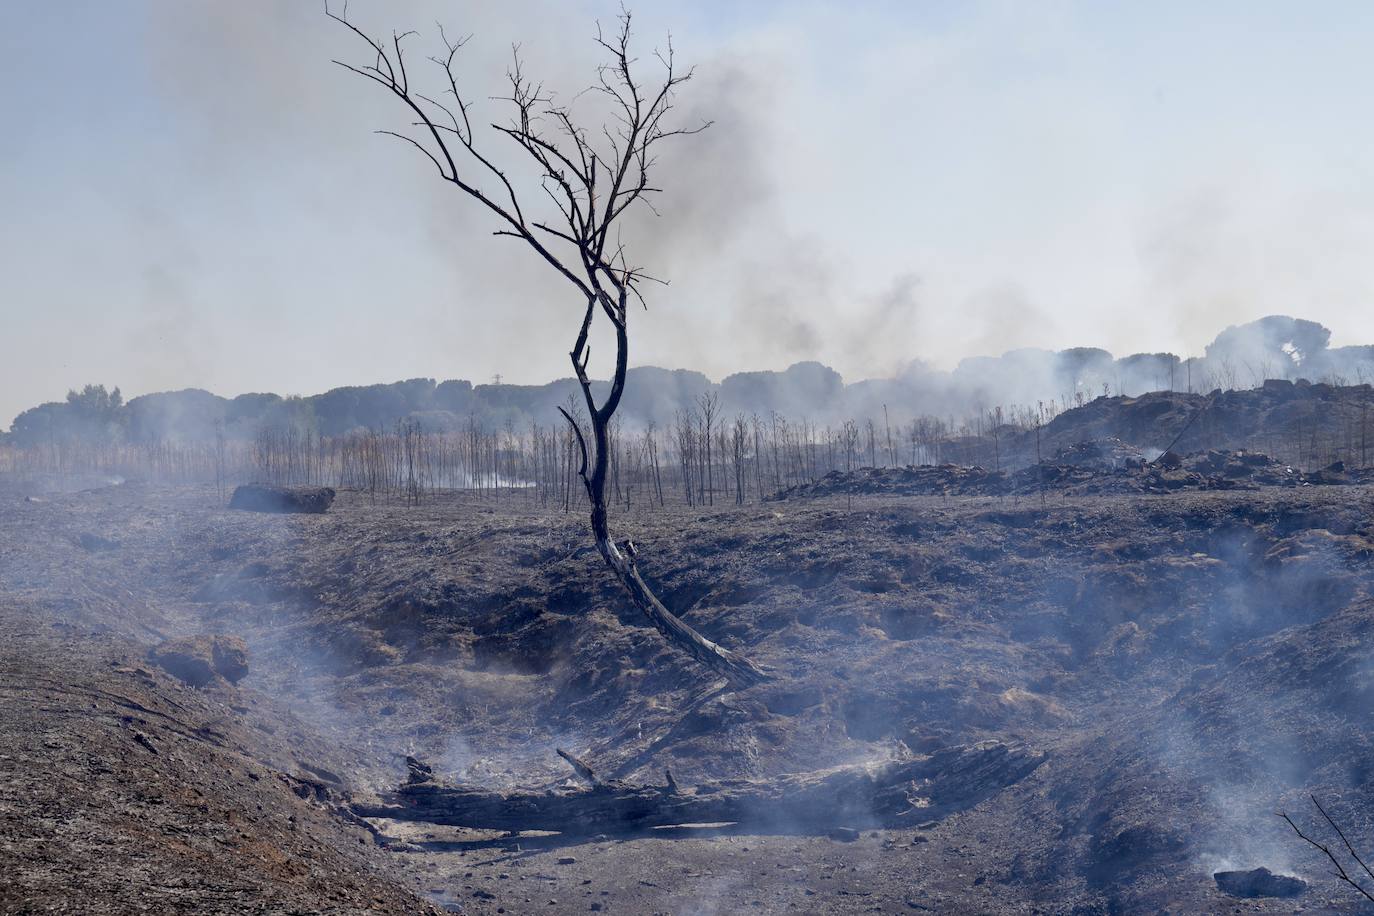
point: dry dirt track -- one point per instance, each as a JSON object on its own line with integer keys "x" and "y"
{"x": 1189, "y": 662}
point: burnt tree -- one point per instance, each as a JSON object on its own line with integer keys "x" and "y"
{"x": 592, "y": 178}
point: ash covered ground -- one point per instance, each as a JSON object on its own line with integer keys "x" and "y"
{"x": 1190, "y": 659}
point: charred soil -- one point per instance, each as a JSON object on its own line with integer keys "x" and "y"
{"x": 1187, "y": 662}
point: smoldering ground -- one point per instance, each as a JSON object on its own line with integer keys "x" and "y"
{"x": 1189, "y": 664}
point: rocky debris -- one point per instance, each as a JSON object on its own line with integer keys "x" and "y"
{"x": 1252, "y": 467}
{"x": 1103, "y": 454}
{"x": 255, "y": 497}
{"x": 1170, "y": 460}
{"x": 1259, "y": 882}
{"x": 913, "y": 480}
{"x": 201, "y": 660}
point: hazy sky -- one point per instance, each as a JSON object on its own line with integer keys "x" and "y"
{"x": 192, "y": 195}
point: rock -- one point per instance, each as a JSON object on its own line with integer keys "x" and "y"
{"x": 200, "y": 660}
{"x": 1259, "y": 882}
{"x": 230, "y": 657}
{"x": 261, "y": 498}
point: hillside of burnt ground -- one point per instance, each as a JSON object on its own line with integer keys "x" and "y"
{"x": 1188, "y": 661}
{"x": 124, "y": 790}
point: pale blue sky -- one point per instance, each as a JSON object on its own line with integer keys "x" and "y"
{"x": 192, "y": 196}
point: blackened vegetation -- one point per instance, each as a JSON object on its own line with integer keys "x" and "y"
{"x": 592, "y": 176}
{"x": 262, "y": 498}
{"x": 1093, "y": 467}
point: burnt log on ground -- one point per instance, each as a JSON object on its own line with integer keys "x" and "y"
{"x": 894, "y": 794}
{"x": 255, "y": 497}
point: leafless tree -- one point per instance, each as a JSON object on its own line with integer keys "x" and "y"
{"x": 592, "y": 176}
{"x": 709, "y": 404}
{"x": 651, "y": 450}
{"x": 739, "y": 439}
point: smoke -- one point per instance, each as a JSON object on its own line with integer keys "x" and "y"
{"x": 844, "y": 206}
{"x": 1022, "y": 383}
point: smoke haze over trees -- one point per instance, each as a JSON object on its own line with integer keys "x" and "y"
{"x": 1085, "y": 234}
{"x": 1239, "y": 357}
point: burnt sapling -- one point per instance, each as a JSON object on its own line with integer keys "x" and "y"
{"x": 592, "y": 178}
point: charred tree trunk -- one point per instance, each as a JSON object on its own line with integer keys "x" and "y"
{"x": 895, "y": 794}
{"x": 735, "y": 667}
{"x": 590, "y": 184}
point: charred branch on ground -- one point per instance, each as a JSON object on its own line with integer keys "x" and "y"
{"x": 903, "y": 792}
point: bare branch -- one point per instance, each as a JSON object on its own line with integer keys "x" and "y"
{"x": 1340, "y": 870}
{"x": 413, "y": 142}
{"x": 1341, "y": 833}
{"x": 581, "y": 442}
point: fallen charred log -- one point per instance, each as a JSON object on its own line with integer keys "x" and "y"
{"x": 255, "y": 497}
{"x": 888, "y": 795}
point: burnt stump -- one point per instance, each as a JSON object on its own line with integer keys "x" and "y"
{"x": 255, "y": 497}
